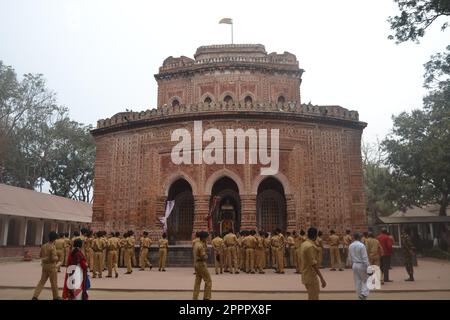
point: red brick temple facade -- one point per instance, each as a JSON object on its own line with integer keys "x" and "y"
{"x": 240, "y": 86}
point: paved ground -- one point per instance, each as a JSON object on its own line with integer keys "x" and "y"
{"x": 25, "y": 294}
{"x": 17, "y": 279}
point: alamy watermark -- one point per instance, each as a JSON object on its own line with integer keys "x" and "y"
{"x": 213, "y": 153}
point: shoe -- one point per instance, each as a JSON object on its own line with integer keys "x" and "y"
{"x": 237, "y": 272}
{"x": 151, "y": 268}
{"x": 340, "y": 269}
{"x": 261, "y": 272}
{"x": 127, "y": 272}
{"x": 100, "y": 277}
{"x": 164, "y": 270}
{"x": 296, "y": 272}
{"x": 159, "y": 269}
{"x": 108, "y": 276}
{"x": 409, "y": 279}
{"x": 282, "y": 272}
{"x": 221, "y": 272}
{"x": 332, "y": 269}
{"x": 361, "y": 297}
{"x": 117, "y": 275}
{"x": 217, "y": 273}
{"x": 252, "y": 272}
{"x": 141, "y": 269}
{"x": 34, "y": 298}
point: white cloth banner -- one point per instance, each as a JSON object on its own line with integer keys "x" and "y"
{"x": 374, "y": 281}
{"x": 169, "y": 207}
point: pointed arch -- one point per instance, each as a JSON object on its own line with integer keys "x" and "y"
{"x": 279, "y": 176}
{"x": 220, "y": 174}
{"x": 176, "y": 176}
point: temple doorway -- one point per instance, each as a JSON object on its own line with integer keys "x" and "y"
{"x": 181, "y": 220}
{"x": 225, "y": 205}
{"x": 271, "y": 205}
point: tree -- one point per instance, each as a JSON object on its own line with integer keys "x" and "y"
{"x": 72, "y": 155}
{"x": 382, "y": 189}
{"x": 419, "y": 150}
{"x": 416, "y": 16}
{"x": 38, "y": 141}
{"x": 27, "y": 109}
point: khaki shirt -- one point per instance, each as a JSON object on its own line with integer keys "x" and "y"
{"x": 333, "y": 240}
{"x": 200, "y": 252}
{"x": 98, "y": 245}
{"x": 130, "y": 242}
{"x": 319, "y": 242}
{"x": 67, "y": 243}
{"x": 249, "y": 242}
{"x": 267, "y": 243}
{"x": 88, "y": 243}
{"x": 60, "y": 244}
{"x": 347, "y": 240}
{"x": 230, "y": 240}
{"x": 194, "y": 242}
{"x": 259, "y": 243}
{"x": 276, "y": 241}
{"x": 218, "y": 244}
{"x": 164, "y": 244}
{"x": 308, "y": 258}
{"x": 146, "y": 242}
{"x": 48, "y": 254}
{"x": 373, "y": 247}
{"x": 290, "y": 242}
{"x": 113, "y": 243}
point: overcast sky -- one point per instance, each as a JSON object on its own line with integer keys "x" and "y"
{"x": 100, "y": 56}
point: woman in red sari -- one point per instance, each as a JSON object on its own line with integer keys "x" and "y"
{"x": 76, "y": 281}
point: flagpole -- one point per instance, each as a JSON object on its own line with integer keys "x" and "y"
{"x": 231, "y": 33}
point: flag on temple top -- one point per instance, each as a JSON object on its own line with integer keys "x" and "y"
{"x": 226, "y": 21}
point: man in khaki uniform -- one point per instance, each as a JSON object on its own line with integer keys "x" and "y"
{"x": 347, "y": 240}
{"x": 89, "y": 251}
{"x": 267, "y": 250}
{"x": 113, "y": 254}
{"x": 309, "y": 269}
{"x": 249, "y": 244}
{"x": 105, "y": 253}
{"x": 260, "y": 252}
{"x": 201, "y": 270}
{"x": 98, "y": 246}
{"x": 290, "y": 245}
{"x": 218, "y": 246}
{"x": 319, "y": 244}
{"x": 129, "y": 251}
{"x": 145, "y": 242}
{"x": 241, "y": 251}
{"x": 231, "y": 244}
{"x": 278, "y": 245}
{"x": 60, "y": 244}
{"x": 123, "y": 241}
{"x": 297, "y": 243}
{"x": 194, "y": 241}
{"x": 333, "y": 241}
{"x": 163, "y": 247}
{"x": 67, "y": 247}
{"x": 49, "y": 259}
{"x": 374, "y": 249}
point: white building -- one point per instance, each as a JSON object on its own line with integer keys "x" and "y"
{"x": 27, "y": 216}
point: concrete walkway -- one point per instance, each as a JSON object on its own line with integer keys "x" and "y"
{"x": 431, "y": 275}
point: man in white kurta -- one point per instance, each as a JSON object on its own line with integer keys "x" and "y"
{"x": 360, "y": 262}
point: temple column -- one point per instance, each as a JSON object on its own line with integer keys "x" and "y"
{"x": 160, "y": 211}
{"x": 291, "y": 223}
{"x": 201, "y": 205}
{"x": 248, "y": 212}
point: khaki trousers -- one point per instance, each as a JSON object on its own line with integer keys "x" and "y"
{"x": 313, "y": 289}
{"x": 128, "y": 259}
{"x": 112, "y": 261}
{"x": 259, "y": 259}
{"x": 280, "y": 259}
{"x": 143, "y": 258}
{"x": 202, "y": 273}
{"x": 335, "y": 257}
{"x": 249, "y": 260}
{"x": 218, "y": 261}
{"x": 98, "y": 263}
{"x": 60, "y": 254}
{"x": 232, "y": 259}
{"x": 48, "y": 272}
{"x": 162, "y": 258}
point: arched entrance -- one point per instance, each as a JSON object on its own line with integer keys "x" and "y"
{"x": 181, "y": 220}
{"x": 271, "y": 205}
{"x": 227, "y": 211}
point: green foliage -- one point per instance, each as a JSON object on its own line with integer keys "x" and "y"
{"x": 416, "y": 16}
{"x": 38, "y": 142}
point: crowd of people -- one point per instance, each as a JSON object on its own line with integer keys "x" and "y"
{"x": 247, "y": 251}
